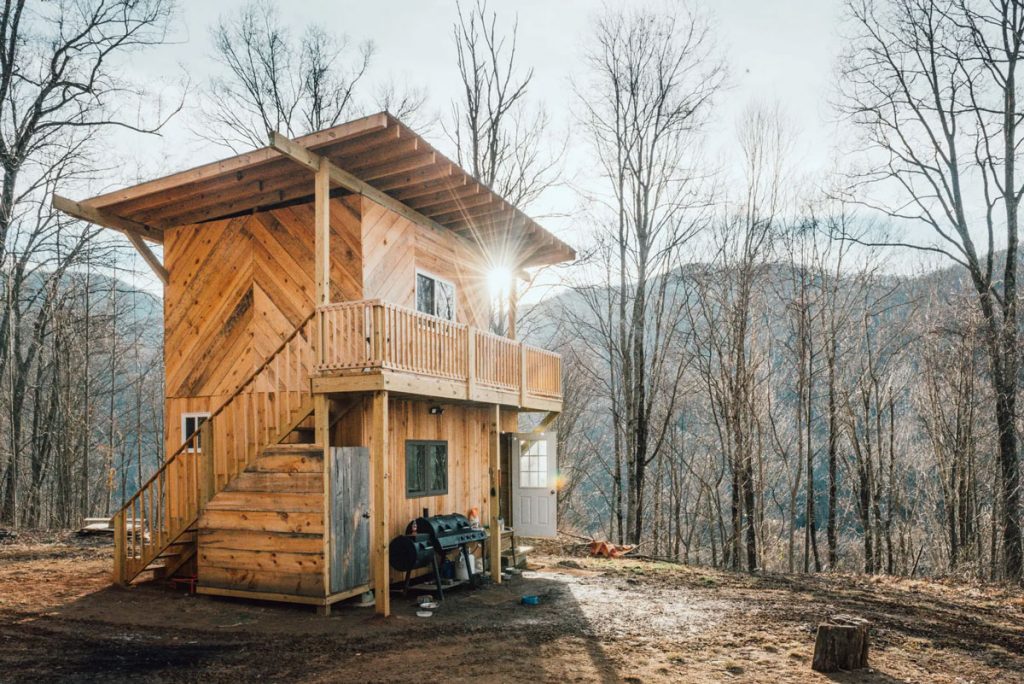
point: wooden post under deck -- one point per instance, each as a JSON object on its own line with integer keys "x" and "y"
{"x": 380, "y": 504}
{"x": 322, "y": 424}
{"x": 495, "y": 483}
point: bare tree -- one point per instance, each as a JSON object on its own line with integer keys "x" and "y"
{"x": 406, "y": 102}
{"x": 497, "y": 135}
{"x": 274, "y": 82}
{"x": 653, "y": 79}
{"x": 932, "y": 86}
{"x": 60, "y": 89}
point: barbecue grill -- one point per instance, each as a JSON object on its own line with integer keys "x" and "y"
{"x": 434, "y": 538}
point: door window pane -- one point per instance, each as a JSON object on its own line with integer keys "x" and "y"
{"x": 533, "y": 464}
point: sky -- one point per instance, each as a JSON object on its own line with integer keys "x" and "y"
{"x": 777, "y": 51}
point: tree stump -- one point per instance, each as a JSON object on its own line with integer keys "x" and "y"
{"x": 841, "y": 644}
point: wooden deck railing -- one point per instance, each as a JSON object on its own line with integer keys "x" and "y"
{"x": 268, "y": 401}
{"x": 372, "y": 334}
{"x": 543, "y": 373}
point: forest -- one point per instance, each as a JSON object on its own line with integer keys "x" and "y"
{"x": 764, "y": 370}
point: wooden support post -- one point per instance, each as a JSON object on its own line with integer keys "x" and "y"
{"x": 522, "y": 374}
{"x": 513, "y": 307}
{"x": 470, "y": 363}
{"x": 322, "y": 223}
{"x": 494, "y": 543}
{"x": 546, "y": 422}
{"x": 322, "y": 425}
{"x": 322, "y": 251}
{"x": 120, "y": 537}
{"x": 133, "y": 230}
{"x": 380, "y": 504}
{"x": 207, "y": 463}
{"x": 377, "y": 336}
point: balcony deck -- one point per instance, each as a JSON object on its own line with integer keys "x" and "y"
{"x": 374, "y": 345}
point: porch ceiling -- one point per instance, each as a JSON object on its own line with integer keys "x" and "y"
{"x": 378, "y": 149}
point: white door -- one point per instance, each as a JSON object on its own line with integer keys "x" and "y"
{"x": 534, "y": 484}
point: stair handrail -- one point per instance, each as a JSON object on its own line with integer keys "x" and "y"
{"x": 187, "y": 448}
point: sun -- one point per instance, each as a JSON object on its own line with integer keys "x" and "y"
{"x": 499, "y": 281}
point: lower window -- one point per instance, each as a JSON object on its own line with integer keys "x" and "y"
{"x": 190, "y": 422}
{"x": 426, "y": 468}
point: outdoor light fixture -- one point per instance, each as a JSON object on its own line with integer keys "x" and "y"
{"x": 436, "y": 410}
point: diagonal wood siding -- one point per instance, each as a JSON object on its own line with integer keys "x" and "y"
{"x": 237, "y": 288}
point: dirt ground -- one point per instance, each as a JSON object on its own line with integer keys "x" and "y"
{"x": 607, "y": 621}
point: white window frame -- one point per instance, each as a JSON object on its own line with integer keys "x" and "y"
{"x": 184, "y": 421}
{"x": 437, "y": 278}
{"x": 533, "y": 466}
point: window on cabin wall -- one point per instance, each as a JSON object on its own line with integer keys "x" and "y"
{"x": 435, "y": 296}
{"x": 426, "y": 468}
{"x": 190, "y": 422}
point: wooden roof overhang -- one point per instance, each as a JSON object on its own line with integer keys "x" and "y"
{"x": 384, "y": 159}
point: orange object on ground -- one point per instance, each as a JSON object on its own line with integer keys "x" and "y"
{"x": 609, "y": 550}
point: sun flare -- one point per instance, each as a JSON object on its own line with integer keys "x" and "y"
{"x": 499, "y": 280}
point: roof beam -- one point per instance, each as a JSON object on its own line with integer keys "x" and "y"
{"x": 465, "y": 201}
{"x": 224, "y": 167}
{"x": 312, "y": 161}
{"x": 131, "y": 229}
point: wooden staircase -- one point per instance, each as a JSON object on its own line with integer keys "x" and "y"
{"x": 263, "y": 534}
{"x": 154, "y": 532}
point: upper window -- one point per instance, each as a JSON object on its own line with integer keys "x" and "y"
{"x": 426, "y": 468}
{"x": 435, "y": 296}
{"x": 190, "y": 422}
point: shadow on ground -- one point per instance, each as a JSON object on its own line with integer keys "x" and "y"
{"x": 152, "y": 633}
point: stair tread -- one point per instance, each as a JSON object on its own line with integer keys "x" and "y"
{"x": 287, "y": 463}
{"x": 291, "y": 448}
{"x": 274, "y": 482}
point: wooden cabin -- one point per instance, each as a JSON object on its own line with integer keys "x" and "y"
{"x": 329, "y": 370}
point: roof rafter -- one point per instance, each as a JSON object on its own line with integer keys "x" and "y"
{"x": 133, "y": 230}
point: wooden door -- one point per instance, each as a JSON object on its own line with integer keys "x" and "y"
{"x": 534, "y": 484}
{"x": 350, "y": 523}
